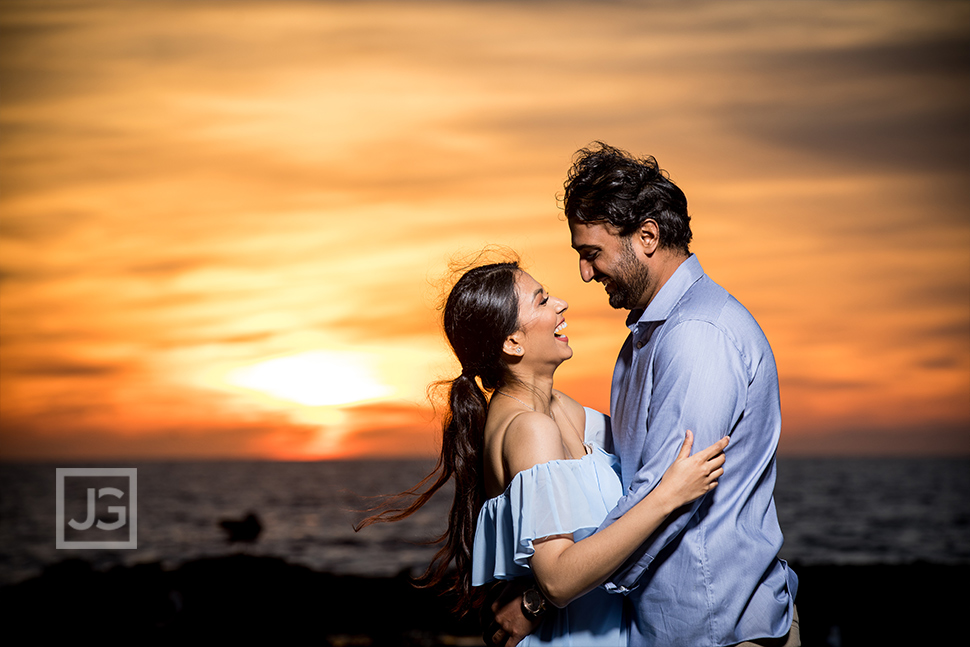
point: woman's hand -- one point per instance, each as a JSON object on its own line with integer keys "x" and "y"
{"x": 691, "y": 477}
{"x": 565, "y": 570}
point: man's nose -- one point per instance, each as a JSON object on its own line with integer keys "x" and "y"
{"x": 586, "y": 270}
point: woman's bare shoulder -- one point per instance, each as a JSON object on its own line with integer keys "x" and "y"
{"x": 532, "y": 428}
{"x": 575, "y": 410}
{"x": 566, "y": 400}
{"x": 531, "y": 438}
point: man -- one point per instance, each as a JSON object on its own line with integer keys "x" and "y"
{"x": 695, "y": 359}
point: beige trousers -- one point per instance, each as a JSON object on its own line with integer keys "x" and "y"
{"x": 791, "y": 639}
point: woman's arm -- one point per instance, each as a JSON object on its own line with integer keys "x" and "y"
{"x": 566, "y": 570}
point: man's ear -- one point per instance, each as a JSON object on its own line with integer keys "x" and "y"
{"x": 512, "y": 346}
{"x": 647, "y": 238}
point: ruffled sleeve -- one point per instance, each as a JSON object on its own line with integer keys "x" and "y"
{"x": 556, "y": 498}
{"x": 598, "y": 431}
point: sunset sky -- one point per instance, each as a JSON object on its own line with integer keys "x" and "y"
{"x": 225, "y": 226}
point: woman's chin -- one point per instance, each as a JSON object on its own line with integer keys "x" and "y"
{"x": 564, "y": 354}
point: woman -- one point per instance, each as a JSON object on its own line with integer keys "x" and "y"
{"x": 525, "y": 476}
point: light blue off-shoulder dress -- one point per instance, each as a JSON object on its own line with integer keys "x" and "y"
{"x": 556, "y": 498}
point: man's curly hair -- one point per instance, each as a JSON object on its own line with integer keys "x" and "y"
{"x": 609, "y": 185}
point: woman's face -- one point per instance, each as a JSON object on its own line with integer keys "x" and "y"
{"x": 541, "y": 322}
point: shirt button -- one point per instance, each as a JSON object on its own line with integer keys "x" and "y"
{"x": 639, "y": 345}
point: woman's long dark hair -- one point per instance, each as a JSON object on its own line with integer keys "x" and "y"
{"x": 481, "y": 311}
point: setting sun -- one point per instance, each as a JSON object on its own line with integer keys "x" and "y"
{"x": 315, "y": 378}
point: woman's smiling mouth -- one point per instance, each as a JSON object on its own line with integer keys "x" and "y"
{"x": 559, "y": 330}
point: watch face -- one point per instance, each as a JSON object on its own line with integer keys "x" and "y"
{"x": 533, "y": 601}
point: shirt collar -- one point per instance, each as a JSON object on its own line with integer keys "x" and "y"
{"x": 669, "y": 295}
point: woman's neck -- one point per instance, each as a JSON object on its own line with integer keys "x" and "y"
{"x": 531, "y": 389}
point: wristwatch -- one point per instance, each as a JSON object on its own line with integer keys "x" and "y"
{"x": 533, "y": 604}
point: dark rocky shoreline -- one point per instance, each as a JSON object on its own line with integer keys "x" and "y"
{"x": 245, "y": 600}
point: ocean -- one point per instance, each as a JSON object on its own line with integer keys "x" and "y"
{"x": 833, "y": 511}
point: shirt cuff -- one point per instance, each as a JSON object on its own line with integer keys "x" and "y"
{"x": 617, "y": 588}
{"x": 625, "y": 581}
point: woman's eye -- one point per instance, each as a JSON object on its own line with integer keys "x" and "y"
{"x": 545, "y": 300}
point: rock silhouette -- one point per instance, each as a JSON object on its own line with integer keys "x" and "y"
{"x": 242, "y": 531}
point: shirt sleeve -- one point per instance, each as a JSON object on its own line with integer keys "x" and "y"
{"x": 700, "y": 381}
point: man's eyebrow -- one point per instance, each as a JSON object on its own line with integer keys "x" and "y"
{"x": 586, "y": 246}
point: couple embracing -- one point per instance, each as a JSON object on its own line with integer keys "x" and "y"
{"x": 612, "y": 530}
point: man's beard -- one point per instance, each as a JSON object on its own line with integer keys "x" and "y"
{"x": 630, "y": 280}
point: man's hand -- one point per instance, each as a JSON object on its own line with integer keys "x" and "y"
{"x": 504, "y": 623}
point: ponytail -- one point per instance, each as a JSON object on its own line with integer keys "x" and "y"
{"x": 481, "y": 311}
{"x": 461, "y": 457}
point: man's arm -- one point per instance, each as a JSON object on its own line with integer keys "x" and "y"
{"x": 699, "y": 383}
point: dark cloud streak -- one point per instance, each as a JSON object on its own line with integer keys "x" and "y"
{"x": 888, "y": 107}
{"x": 64, "y": 369}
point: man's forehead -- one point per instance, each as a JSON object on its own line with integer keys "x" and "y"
{"x": 591, "y": 235}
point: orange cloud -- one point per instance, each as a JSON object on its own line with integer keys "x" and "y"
{"x": 189, "y": 190}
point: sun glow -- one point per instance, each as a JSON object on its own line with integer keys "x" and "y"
{"x": 314, "y": 378}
